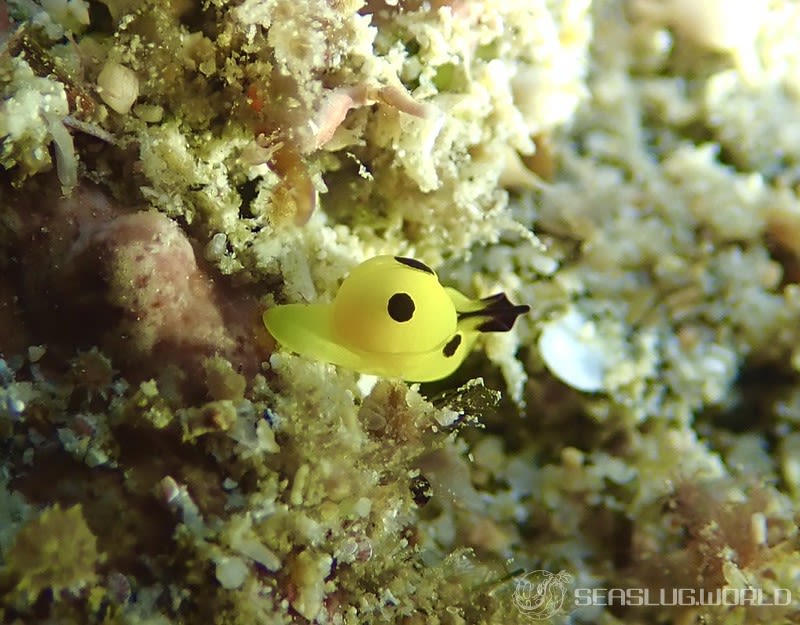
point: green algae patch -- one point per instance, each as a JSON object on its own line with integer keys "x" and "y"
{"x": 56, "y": 551}
{"x": 148, "y": 407}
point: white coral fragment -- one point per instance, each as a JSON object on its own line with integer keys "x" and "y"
{"x": 32, "y": 114}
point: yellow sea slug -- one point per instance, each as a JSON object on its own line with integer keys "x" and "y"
{"x": 391, "y": 317}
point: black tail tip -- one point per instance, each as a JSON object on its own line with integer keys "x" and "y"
{"x": 501, "y": 313}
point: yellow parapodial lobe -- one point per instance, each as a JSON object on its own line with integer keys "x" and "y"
{"x": 392, "y": 317}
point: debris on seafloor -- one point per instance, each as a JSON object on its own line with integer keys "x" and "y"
{"x": 171, "y": 171}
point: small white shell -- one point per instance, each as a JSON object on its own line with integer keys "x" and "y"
{"x": 574, "y": 353}
{"x": 118, "y": 87}
{"x": 231, "y": 572}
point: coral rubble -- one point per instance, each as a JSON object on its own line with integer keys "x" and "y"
{"x": 629, "y": 168}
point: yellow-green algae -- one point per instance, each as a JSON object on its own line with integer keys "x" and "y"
{"x": 671, "y": 223}
{"x": 56, "y": 551}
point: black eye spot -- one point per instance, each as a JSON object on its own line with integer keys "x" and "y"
{"x": 452, "y": 345}
{"x": 401, "y": 307}
{"x": 412, "y": 262}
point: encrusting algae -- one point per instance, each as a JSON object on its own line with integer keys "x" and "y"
{"x": 172, "y": 172}
{"x": 55, "y": 552}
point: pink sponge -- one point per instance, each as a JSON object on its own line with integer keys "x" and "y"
{"x": 95, "y": 273}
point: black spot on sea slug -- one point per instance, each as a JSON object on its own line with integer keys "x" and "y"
{"x": 412, "y": 262}
{"x": 452, "y": 345}
{"x": 401, "y": 307}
